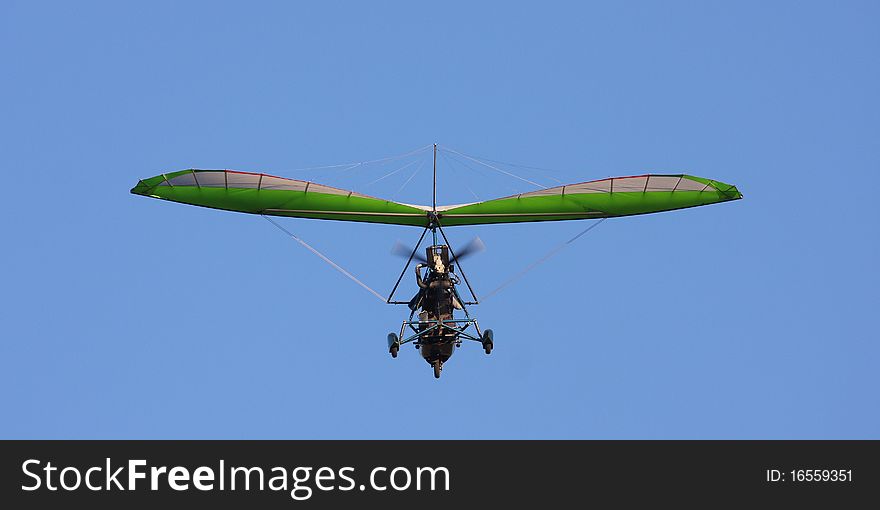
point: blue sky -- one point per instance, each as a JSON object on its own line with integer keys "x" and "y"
{"x": 125, "y": 317}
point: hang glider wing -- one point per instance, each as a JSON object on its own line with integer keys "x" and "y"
{"x": 276, "y": 196}
{"x": 606, "y": 198}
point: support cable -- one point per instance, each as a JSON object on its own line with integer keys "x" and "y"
{"x": 350, "y": 166}
{"x": 389, "y": 174}
{"x": 533, "y": 183}
{"x": 541, "y": 260}
{"x": 463, "y": 182}
{"x": 400, "y": 189}
{"x": 324, "y": 258}
{"x": 541, "y": 169}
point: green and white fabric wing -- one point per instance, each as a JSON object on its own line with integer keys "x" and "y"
{"x": 276, "y": 196}
{"x": 606, "y": 198}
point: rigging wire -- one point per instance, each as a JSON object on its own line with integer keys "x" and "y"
{"x": 421, "y": 164}
{"x": 479, "y": 171}
{"x": 463, "y": 182}
{"x": 323, "y": 257}
{"x": 350, "y": 166}
{"x": 541, "y": 260}
{"x": 533, "y": 183}
{"x": 545, "y": 170}
{"x": 411, "y": 163}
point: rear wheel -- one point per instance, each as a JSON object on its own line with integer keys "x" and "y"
{"x": 488, "y": 341}
{"x": 437, "y": 368}
{"x": 393, "y": 344}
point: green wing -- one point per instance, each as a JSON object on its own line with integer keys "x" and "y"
{"x": 606, "y": 198}
{"x": 277, "y": 196}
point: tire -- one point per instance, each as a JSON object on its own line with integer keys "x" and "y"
{"x": 488, "y": 341}
{"x": 437, "y": 368}
{"x": 393, "y": 344}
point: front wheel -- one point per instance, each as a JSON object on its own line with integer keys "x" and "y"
{"x": 437, "y": 368}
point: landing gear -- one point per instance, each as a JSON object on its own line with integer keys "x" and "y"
{"x": 438, "y": 367}
{"x": 393, "y": 344}
{"x": 488, "y": 341}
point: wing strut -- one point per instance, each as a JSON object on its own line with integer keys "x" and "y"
{"x": 400, "y": 278}
{"x": 460, "y": 269}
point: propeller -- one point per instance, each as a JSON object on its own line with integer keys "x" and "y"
{"x": 476, "y": 245}
{"x": 403, "y": 251}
